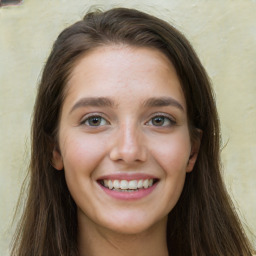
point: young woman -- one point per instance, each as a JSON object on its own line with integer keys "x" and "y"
{"x": 125, "y": 147}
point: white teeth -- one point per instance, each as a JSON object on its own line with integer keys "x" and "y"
{"x": 140, "y": 184}
{"x": 133, "y": 184}
{"x": 110, "y": 184}
{"x": 145, "y": 183}
{"x": 126, "y": 186}
{"x": 116, "y": 184}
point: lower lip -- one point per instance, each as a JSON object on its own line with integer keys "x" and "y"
{"x": 129, "y": 195}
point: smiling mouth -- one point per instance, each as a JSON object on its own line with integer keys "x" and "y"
{"x": 128, "y": 186}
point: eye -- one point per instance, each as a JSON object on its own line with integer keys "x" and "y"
{"x": 95, "y": 121}
{"x": 161, "y": 121}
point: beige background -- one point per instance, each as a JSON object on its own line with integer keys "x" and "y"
{"x": 222, "y": 31}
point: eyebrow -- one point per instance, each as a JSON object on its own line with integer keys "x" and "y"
{"x": 94, "y": 102}
{"x": 106, "y": 102}
{"x": 163, "y": 102}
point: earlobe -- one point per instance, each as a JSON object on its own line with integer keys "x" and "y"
{"x": 194, "y": 153}
{"x": 57, "y": 161}
{"x": 191, "y": 162}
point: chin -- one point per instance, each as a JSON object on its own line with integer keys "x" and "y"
{"x": 134, "y": 225}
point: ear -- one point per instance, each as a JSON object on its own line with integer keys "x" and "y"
{"x": 57, "y": 161}
{"x": 194, "y": 151}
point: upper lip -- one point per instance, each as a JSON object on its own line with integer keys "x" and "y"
{"x": 127, "y": 176}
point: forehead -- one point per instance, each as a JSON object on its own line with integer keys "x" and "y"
{"x": 124, "y": 70}
{"x": 122, "y": 58}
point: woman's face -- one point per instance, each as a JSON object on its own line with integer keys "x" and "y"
{"x": 123, "y": 138}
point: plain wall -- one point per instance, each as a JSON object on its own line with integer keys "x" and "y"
{"x": 223, "y": 32}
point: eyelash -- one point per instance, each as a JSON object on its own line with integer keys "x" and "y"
{"x": 166, "y": 117}
{"x": 87, "y": 119}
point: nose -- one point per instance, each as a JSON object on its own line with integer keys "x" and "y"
{"x": 128, "y": 145}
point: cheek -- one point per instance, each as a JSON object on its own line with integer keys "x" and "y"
{"x": 82, "y": 152}
{"x": 173, "y": 157}
{"x": 81, "y": 155}
{"x": 173, "y": 152}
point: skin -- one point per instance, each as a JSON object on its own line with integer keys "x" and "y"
{"x": 127, "y": 140}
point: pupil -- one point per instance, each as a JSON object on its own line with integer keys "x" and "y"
{"x": 158, "y": 121}
{"x": 94, "y": 121}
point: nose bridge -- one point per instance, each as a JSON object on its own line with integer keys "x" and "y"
{"x": 129, "y": 145}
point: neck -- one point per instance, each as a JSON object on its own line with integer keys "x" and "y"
{"x": 95, "y": 241}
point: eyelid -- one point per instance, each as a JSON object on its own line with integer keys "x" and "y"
{"x": 97, "y": 114}
{"x": 161, "y": 114}
{"x": 164, "y": 115}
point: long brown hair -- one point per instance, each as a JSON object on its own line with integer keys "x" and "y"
{"x": 204, "y": 221}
